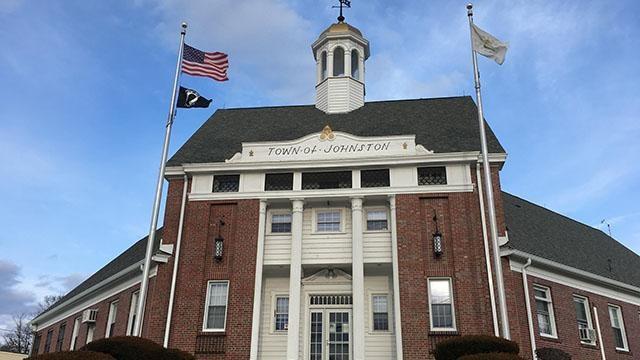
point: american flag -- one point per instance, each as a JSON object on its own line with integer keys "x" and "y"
{"x": 209, "y": 64}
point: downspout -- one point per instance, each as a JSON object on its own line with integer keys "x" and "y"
{"x": 175, "y": 262}
{"x": 527, "y": 302}
{"x": 595, "y": 314}
{"x": 397, "y": 316}
{"x": 485, "y": 238}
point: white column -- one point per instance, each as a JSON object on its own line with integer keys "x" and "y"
{"x": 357, "y": 279}
{"x": 293, "y": 333}
{"x": 319, "y": 69}
{"x": 396, "y": 278}
{"x": 329, "y": 63}
{"x": 361, "y": 60}
{"x": 257, "y": 292}
{"x": 347, "y": 62}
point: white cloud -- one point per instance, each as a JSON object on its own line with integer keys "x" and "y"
{"x": 267, "y": 42}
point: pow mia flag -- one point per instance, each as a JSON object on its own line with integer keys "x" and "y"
{"x": 188, "y": 98}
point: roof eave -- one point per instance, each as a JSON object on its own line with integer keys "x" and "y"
{"x": 561, "y": 268}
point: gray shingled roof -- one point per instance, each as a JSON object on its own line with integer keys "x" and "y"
{"x": 129, "y": 257}
{"x": 542, "y": 232}
{"x": 440, "y": 124}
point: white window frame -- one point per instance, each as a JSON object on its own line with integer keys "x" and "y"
{"x": 625, "y": 341}
{"x": 91, "y": 329}
{"x": 113, "y": 317}
{"x": 75, "y": 332}
{"x": 585, "y": 302}
{"x": 133, "y": 309}
{"x": 315, "y": 213}
{"x": 453, "y": 305}
{"x": 365, "y": 215}
{"x": 274, "y": 304}
{"x": 371, "y": 327}
{"x": 206, "y": 307}
{"x": 270, "y": 218}
{"x": 552, "y": 316}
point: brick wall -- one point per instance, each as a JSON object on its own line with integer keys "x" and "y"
{"x": 565, "y": 316}
{"x": 463, "y": 260}
{"x": 197, "y": 266}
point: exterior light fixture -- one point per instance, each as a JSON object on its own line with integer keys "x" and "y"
{"x": 219, "y": 243}
{"x": 437, "y": 237}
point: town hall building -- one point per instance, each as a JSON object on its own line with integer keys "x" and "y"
{"x": 353, "y": 230}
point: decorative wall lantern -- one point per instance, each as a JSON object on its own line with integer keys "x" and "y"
{"x": 437, "y": 237}
{"x": 219, "y": 242}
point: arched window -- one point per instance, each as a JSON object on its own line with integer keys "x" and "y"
{"x": 355, "y": 65}
{"x": 338, "y": 61}
{"x": 323, "y": 64}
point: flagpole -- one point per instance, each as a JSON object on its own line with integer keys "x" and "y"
{"x": 137, "y": 326}
{"x": 488, "y": 185}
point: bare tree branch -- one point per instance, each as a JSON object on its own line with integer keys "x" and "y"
{"x": 19, "y": 338}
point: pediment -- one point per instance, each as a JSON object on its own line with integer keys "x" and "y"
{"x": 329, "y": 145}
{"x": 327, "y": 276}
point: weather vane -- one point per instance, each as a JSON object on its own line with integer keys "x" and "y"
{"x": 343, "y": 3}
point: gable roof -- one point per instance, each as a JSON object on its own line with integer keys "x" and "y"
{"x": 440, "y": 124}
{"x": 129, "y": 257}
{"x": 539, "y": 231}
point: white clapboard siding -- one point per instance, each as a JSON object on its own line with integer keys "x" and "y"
{"x": 377, "y": 247}
{"x": 322, "y": 95}
{"x": 378, "y": 345}
{"x": 326, "y": 248}
{"x": 277, "y": 249}
{"x": 356, "y": 94}
{"x": 272, "y": 345}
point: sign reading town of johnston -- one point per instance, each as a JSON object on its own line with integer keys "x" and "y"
{"x": 329, "y": 145}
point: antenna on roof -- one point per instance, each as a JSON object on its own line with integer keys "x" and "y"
{"x": 604, "y": 221}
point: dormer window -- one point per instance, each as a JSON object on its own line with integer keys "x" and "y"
{"x": 323, "y": 64}
{"x": 355, "y": 65}
{"x": 338, "y": 61}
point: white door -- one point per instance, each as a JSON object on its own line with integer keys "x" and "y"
{"x": 330, "y": 335}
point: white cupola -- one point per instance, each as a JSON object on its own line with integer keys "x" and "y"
{"x": 340, "y": 53}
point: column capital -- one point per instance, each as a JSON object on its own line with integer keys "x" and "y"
{"x": 356, "y": 203}
{"x": 263, "y": 206}
{"x": 297, "y": 205}
{"x": 392, "y": 201}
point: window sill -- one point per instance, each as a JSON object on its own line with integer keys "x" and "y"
{"x": 550, "y": 338}
{"x": 328, "y": 233}
{"x": 380, "y": 332}
{"x": 586, "y": 345}
{"x": 623, "y": 351}
{"x": 444, "y": 332}
{"x": 377, "y": 231}
{"x": 212, "y": 332}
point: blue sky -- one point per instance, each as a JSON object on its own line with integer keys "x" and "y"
{"x": 87, "y": 88}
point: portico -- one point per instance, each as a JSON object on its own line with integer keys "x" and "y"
{"x": 328, "y": 280}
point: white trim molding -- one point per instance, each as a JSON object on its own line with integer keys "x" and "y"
{"x": 435, "y": 158}
{"x": 572, "y": 277}
{"x": 92, "y": 296}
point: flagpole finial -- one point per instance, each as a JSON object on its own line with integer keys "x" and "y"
{"x": 184, "y": 27}
{"x": 470, "y": 9}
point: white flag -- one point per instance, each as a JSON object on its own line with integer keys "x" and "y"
{"x": 487, "y": 45}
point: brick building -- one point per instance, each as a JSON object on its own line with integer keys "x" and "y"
{"x": 352, "y": 229}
